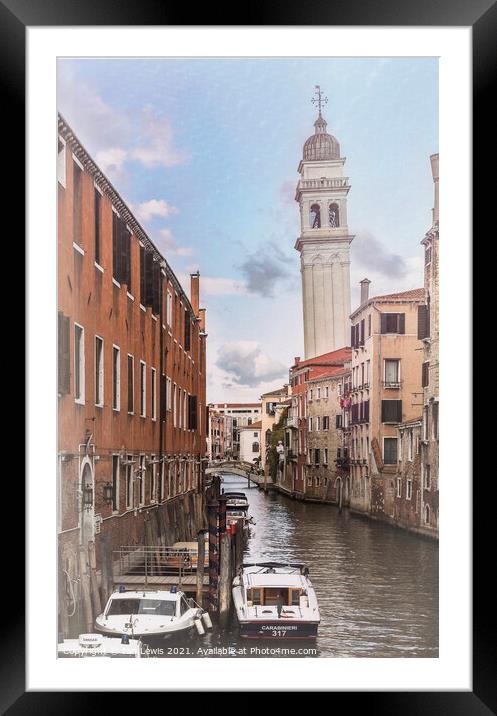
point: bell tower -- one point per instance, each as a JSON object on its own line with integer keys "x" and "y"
{"x": 324, "y": 241}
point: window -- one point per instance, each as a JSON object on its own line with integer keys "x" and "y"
{"x": 310, "y": 425}
{"x": 116, "y": 378}
{"x": 186, "y": 342}
{"x": 369, "y": 325}
{"x": 79, "y": 364}
{"x": 427, "y": 514}
{"x": 185, "y": 407}
{"x": 64, "y": 361}
{"x": 61, "y": 162}
{"x": 115, "y": 483}
{"x": 424, "y": 321}
{"x": 399, "y": 487}
{"x": 326, "y": 422}
{"x": 168, "y": 393}
{"x": 121, "y": 251}
{"x": 318, "y": 423}
{"x": 425, "y": 375}
{"x": 169, "y": 309}
{"x": 192, "y": 412}
{"x": 333, "y": 216}
{"x": 409, "y": 490}
{"x": 153, "y": 480}
{"x": 325, "y": 456}
{"x": 143, "y": 389}
{"x": 98, "y": 223}
{"x": 425, "y": 423}
{"x": 153, "y": 393}
{"x": 129, "y": 481}
{"x": 142, "y": 480}
{"x": 427, "y": 477}
{"x": 174, "y": 406}
{"x": 315, "y": 217}
{"x": 131, "y": 384}
{"x": 434, "y": 420}
{"x": 327, "y": 392}
{"x": 410, "y": 445}
{"x": 99, "y": 371}
{"x": 392, "y": 372}
{"x": 319, "y": 394}
{"x": 393, "y": 323}
{"x": 149, "y": 280}
{"x": 391, "y": 411}
{"x": 255, "y": 447}
{"x": 310, "y": 394}
{"x": 390, "y": 451}
{"x": 338, "y": 421}
{"x": 317, "y": 456}
{"x": 77, "y": 204}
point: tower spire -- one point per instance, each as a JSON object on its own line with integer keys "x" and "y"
{"x": 320, "y": 99}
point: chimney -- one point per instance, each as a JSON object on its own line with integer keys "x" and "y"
{"x": 365, "y": 290}
{"x": 297, "y": 360}
{"x": 201, "y": 315}
{"x": 434, "y": 173}
{"x": 195, "y": 291}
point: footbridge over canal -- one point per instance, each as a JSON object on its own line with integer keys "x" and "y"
{"x": 240, "y": 468}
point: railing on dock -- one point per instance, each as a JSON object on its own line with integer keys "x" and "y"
{"x": 147, "y": 562}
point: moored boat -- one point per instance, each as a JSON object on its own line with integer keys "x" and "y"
{"x": 275, "y": 600}
{"x": 149, "y": 613}
{"x": 97, "y": 645}
{"x": 236, "y": 501}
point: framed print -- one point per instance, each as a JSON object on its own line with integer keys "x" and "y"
{"x": 240, "y": 331}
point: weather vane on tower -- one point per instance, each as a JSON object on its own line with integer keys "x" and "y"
{"x": 320, "y": 99}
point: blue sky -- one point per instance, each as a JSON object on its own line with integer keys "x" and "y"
{"x": 206, "y": 153}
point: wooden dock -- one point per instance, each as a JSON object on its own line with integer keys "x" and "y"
{"x": 188, "y": 582}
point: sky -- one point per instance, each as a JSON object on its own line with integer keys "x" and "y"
{"x": 205, "y": 152}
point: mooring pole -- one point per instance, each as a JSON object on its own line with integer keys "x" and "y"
{"x": 200, "y": 566}
{"x": 212, "y": 507}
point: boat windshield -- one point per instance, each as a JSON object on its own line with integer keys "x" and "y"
{"x": 159, "y": 607}
{"x": 274, "y": 596}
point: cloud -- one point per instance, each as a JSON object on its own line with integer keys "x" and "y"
{"x": 247, "y": 365}
{"x": 155, "y": 142}
{"x": 264, "y": 268}
{"x": 154, "y": 207}
{"x": 167, "y": 244}
{"x": 111, "y": 160}
{"x": 370, "y": 253}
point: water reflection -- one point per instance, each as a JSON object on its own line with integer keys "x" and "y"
{"x": 377, "y": 586}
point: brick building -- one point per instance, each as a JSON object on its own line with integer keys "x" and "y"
{"x": 327, "y": 476}
{"x": 241, "y": 414}
{"x": 131, "y": 369}
{"x": 270, "y": 416}
{"x": 293, "y": 478}
{"x": 428, "y": 332}
{"x": 386, "y": 391}
{"x": 407, "y": 497}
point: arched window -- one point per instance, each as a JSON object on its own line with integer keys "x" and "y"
{"x": 255, "y": 447}
{"x": 315, "y": 217}
{"x": 333, "y": 216}
{"x": 427, "y": 514}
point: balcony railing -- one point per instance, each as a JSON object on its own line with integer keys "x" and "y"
{"x": 392, "y": 384}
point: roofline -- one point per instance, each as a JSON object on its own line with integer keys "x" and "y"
{"x": 111, "y": 192}
{"x": 384, "y": 299}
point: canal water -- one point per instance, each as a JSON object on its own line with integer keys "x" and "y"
{"x": 377, "y": 585}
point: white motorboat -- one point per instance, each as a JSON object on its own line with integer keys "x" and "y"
{"x": 97, "y": 645}
{"x": 148, "y": 613}
{"x": 236, "y": 501}
{"x": 275, "y": 600}
{"x": 234, "y": 516}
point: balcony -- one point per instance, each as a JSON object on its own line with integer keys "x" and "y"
{"x": 292, "y": 422}
{"x": 392, "y": 384}
{"x": 290, "y": 454}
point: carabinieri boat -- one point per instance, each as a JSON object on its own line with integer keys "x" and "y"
{"x": 275, "y": 600}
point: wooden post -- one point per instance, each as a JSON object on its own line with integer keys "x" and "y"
{"x": 224, "y": 578}
{"x": 62, "y": 598}
{"x": 238, "y": 545}
{"x": 200, "y": 566}
{"x": 85, "y": 588}
{"x": 95, "y": 595}
{"x": 213, "y": 555}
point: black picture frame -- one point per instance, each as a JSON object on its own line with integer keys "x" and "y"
{"x": 481, "y": 15}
